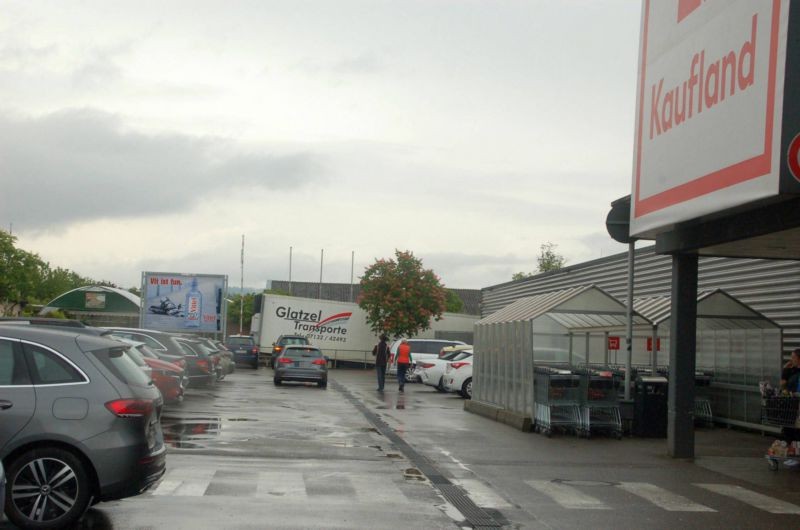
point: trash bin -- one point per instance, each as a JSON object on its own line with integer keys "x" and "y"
{"x": 650, "y": 408}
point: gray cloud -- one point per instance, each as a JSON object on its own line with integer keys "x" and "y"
{"x": 83, "y": 164}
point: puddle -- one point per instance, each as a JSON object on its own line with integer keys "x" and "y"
{"x": 185, "y": 433}
{"x": 241, "y": 419}
{"x": 413, "y": 473}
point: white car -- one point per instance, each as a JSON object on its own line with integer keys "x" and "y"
{"x": 421, "y": 350}
{"x": 431, "y": 372}
{"x": 458, "y": 377}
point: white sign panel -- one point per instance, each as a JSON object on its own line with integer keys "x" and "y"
{"x": 709, "y": 106}
{"x": 332, "y": 326}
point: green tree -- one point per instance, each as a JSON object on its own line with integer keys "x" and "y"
{"x": 235, "y": 310}
{"x": 400, "y": 297}
{"x": 25, "y": 278}
{"x": 453, "y": 303}
{"x": 548, "y": 260}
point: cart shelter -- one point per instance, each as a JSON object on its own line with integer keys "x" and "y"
{"x": 736, "y": 345}
{"x": 98, "y": 305}
{"x": 573, "y": 327}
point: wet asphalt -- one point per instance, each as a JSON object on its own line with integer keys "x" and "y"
{"x": 247, "y": 454}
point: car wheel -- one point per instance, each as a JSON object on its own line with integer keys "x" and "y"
{"x": 277, "y": 381}
{"x": 466, "y": 389}
{"x": 440, "y": 387}
{"x": 47, "y": 488}
{"x": 255, "y": 365}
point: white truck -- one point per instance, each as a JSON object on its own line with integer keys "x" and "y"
{"x": 339, "y": 329}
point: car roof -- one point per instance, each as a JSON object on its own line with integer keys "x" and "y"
{"x": 57, "y": 334}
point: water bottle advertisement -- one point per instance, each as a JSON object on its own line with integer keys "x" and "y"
{"x": 178, "y": 302}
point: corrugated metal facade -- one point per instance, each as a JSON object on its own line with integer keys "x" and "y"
{"x": 771, "y": 287}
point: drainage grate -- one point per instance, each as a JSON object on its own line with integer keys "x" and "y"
{"x": 473, "y": 513}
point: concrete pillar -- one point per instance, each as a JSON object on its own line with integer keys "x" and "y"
{"x": 682, "y": 352}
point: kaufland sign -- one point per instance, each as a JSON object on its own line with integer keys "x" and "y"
{"x": 709, "y": 109}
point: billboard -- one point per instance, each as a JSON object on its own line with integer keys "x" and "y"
{"x": 187, "y": 303}
{"x": 709, "y": 109}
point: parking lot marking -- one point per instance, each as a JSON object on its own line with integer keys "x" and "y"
{"x": 481, "y": 494}
{"x": 167, "y": 487}
{"x": 278, "y": 484}
{"x": 757, "y": 500}
{"x": 567, "y": 496}
{"x": 195, "y": 481}
{"x": 662, "y": 498}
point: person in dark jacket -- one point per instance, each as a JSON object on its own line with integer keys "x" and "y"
{"x": 381, "y": 354}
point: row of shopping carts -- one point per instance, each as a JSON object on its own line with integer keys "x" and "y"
{"x": 586, "y": 400}
{"x": 580, "y": 401}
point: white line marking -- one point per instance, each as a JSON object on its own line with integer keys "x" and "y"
{"x": 195, "y": 481}
{"x": 167, "y": 487}
{"x": 662, "y": 498}
{"x": 757, "y": 500}
{"x": 281, "y": 485}
{"x": 567, "y": 496}
{"x": 455, "y": 460}
{"x": 481, "y": 494}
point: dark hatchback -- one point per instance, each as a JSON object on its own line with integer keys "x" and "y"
{"x": 282, "y": 342}
{"x": 244, "y": 349}
{"x": 79, "y": 423}
{"x": 301, "y": 363}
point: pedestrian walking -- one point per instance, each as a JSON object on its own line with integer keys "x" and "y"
{"x": 381, "y": 354}
{"x": 403, "y": 362}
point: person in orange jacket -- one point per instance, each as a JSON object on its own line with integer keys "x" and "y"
{"x": 403, "y": 362}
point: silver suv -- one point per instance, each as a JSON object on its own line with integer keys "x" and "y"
{"x": 79, "y": 423}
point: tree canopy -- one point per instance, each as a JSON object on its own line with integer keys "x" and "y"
{"x": 547, "y": 260}
{"x": 27, "y": 279}
{"x": 401, "y": 297}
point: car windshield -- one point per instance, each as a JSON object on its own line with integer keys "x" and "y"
{"x": 304, "y": 352}
{"x": 121, "y": 366}
{"x": 240, "y": 341}
{"x": 135, "y": 356}
{"x": 294, "y": 340}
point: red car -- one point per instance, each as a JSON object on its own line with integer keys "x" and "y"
{"x": 169, "y": 378}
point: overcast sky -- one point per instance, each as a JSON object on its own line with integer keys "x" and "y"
{"x": 151, "y": 135}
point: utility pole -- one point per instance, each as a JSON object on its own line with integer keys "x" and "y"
{"x": 290, "y": 271}
{"x": 352, "y": 268}
{"x": 321, "y": 257}
{"x": 241, "y": 292}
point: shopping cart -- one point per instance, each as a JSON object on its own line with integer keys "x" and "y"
{"x": 599, "y": 404}
{"x": 781, "y": 411}
{"x": 556, "y": 400}
{"x": 702, "y": 400}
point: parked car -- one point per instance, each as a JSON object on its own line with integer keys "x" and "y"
{"x": 431, "y": 372}
{"x": 170, "y": 380}
{"x": 282, "y": 342}
{"x": 301, "y": 363}
{"x": 225, "y": 352}
{"x": 207, "y": 363}
{"x": 198, "y": 369}
{"x": 458, "y": 378}
{"x": 244, "y": 348}
{"x": 79, "y": 423}
{"x": 2, "y": 488}
{"x": 226, "y": 362}
{"x": 421, "y": 350}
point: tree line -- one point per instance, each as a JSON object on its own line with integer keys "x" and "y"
{"x": 27, "y": 280}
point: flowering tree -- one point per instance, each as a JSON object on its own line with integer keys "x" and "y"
{"x": 401, "y": 297}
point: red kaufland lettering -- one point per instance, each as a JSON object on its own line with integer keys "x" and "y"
{"x": 706, "y": 86}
